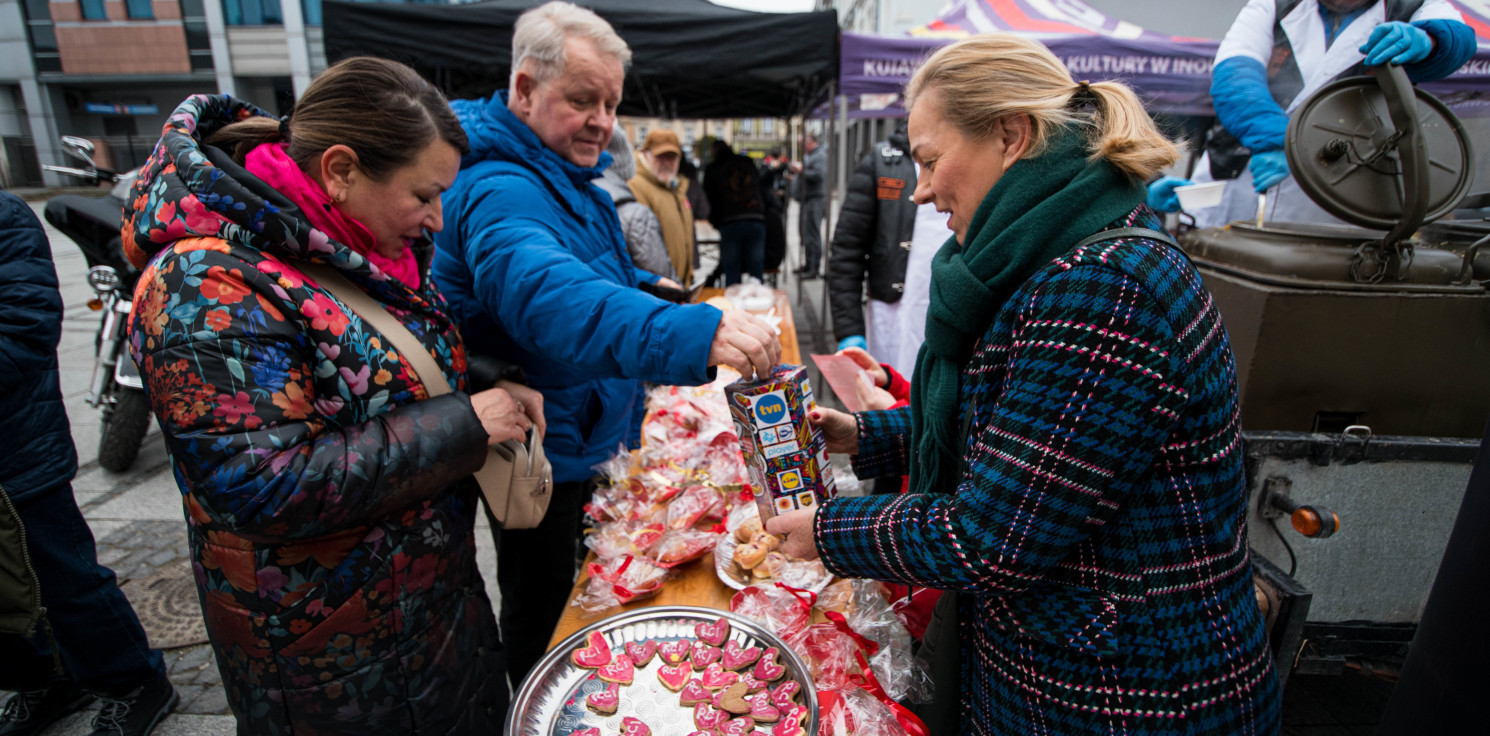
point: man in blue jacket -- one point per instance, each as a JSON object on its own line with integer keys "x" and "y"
{"x": 534, "y": 265}
{"x": 94, "y": 633}
{"x": 1280, "y": 52}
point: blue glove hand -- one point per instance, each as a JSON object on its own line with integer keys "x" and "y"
{"x": 1268, "y": 169}
{"x": 1161, "y": 193}
{"x": 853, "y": 341}
{"x": 1397, "y": 43}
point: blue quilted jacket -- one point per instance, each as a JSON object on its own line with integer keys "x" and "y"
{"x": 1098, "y": 537}
{"x": 536, "y": 272}
{"x": 39, "y": 453}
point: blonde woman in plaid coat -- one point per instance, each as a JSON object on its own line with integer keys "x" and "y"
{"x": 1072, "y": 439}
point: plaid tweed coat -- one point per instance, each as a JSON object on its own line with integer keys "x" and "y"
{"x": 1098, "y": 533}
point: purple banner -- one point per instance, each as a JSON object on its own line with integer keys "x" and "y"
{"x": 1172, "y": 77}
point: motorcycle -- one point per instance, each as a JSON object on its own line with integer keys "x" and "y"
{"x": 93, "y": 223}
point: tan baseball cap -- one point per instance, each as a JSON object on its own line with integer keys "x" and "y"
{"x": 662, "y": 140}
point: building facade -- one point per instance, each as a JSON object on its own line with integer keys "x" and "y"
{"x": 113, "y": 70}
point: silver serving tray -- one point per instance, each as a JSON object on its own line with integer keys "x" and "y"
{"x": 551, "y": 701}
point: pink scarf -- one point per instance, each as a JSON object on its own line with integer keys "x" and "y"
{"x": 270, "y": 162}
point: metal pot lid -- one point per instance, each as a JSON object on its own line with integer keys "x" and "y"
{"x": 1367, "y": 157}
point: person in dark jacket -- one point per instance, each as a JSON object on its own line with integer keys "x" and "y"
{"x": 103, "y": 650}
{"x": 811, "y": 182}
{"x": 736, "y": 208}
{"x": 1072, "y": 439}
{"x": 536, "y": 269}
{"x": 328, "y": 494}
{"x": 882, "y": 235}
{"x": 774, "y": 197}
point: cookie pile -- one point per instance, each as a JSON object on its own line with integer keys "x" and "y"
{"x": 732, "y": 690}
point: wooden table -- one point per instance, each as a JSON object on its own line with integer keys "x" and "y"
{"x": 693, "y": 583}
{"x": 790, "y": 353}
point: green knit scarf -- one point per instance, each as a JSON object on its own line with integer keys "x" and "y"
{"x": 1037, "y": 211}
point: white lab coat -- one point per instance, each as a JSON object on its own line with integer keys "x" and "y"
{"x": 1251, "y": 35}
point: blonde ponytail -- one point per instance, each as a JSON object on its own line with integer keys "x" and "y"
{"x": 1127, "y": 136}
{"x": 985, "y": 78}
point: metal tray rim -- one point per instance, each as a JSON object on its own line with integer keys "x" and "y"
{"x": 526, "y": 693}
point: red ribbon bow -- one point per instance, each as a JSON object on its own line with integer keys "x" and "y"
{"x": 912, "y": 724}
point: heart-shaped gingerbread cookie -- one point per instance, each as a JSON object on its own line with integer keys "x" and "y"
{"x": 707, "y": 717}
{"x": 768, "y": 668}
{"x": 715, "y": 678}
{"x": 694, "y": 693}
{"x": 641, "y": 652}
{"x": 674, "y": 676}
{"x": 788, "y": 728}
{"x": 673, "y": 652}
{"x": 703, "y": 654}
{"x": 619, "y": 670}
{"x": 741, "y": 726}
{"x": 733, "y": 699}
{"x": 594, "y": 654}
{"x": 752, "y": 684}
{"x": 785, "y": 694}
{"x": 762, "y": 710}
{"x": 737, "y": 657}
{"x": 633, "y": 727}
{"x": 714, "y": 633}
{"x": 605, "y": 701}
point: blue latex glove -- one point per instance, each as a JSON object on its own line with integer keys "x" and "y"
{"x": 1268, "y": 169}
{"x": 1161, "y": 193}
{"x": 1397, "y": 43}
{"x": 853, "y": 341}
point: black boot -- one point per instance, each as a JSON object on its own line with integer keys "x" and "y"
{"x": 136, "y": 713}
{"x": 30, "y": 712}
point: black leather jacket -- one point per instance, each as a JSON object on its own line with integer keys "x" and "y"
{"x": 873, "y": 234}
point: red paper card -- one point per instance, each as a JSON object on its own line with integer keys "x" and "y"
{"x": 841, "y": 372}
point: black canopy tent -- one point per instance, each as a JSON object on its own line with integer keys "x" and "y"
{"x": 690, "y": 58}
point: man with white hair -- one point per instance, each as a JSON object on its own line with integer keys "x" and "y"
{"x": 534, "y": 266}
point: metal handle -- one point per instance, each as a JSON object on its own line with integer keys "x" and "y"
{"x": 1412, "y": 149}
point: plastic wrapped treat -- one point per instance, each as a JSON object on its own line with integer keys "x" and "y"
{"x": 787, "y": 458}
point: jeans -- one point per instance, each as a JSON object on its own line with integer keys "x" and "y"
{"x": 742, "y": 240}
{"x": 810, "y": 227}
{"x": 102, "y": 645}
{"x": 535, "y": 570}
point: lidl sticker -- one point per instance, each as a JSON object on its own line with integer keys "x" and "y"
{"x": 790, "y": 480}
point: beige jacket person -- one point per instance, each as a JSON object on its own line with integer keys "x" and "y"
{"x": 670, "y": 204}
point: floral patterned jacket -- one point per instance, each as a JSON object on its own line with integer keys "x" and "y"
{"x": 329, "y": 500}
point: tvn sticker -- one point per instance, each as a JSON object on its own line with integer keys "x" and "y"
{"x": 784, "y": 448}
{"x": 770, "y": 409}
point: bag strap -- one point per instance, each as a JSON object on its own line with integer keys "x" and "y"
{"x": 1130, "y": 232}
{"x": 420, "y": 362}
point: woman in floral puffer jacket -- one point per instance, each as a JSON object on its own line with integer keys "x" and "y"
{"x": 329, "y": 499}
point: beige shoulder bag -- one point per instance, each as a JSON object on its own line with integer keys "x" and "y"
{"x": 517, "y": 479}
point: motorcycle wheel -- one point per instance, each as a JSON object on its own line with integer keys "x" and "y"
{"x": 123, "y": 430}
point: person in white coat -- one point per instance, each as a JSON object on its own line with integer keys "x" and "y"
{"x": 1277, "y": 54}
